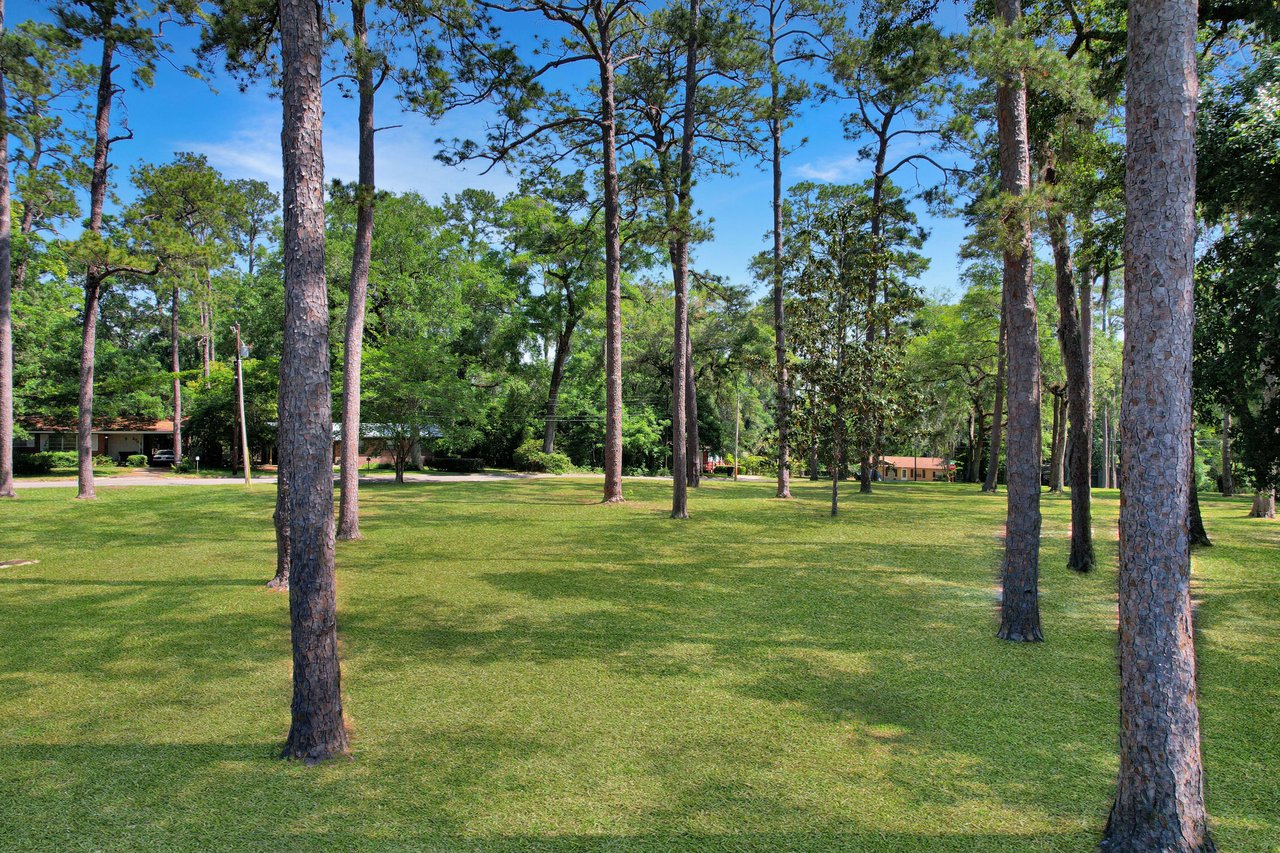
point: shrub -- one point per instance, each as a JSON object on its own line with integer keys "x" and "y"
{"x": 63, "y": 458}
{"x": 183, "y": 467}
{"x": 137, "y": 460}
{"x": 103, "y": 461}
{"x": 463, "y": 465}
{"x": 529, "y": 457}
{"x": 32, "y": 463}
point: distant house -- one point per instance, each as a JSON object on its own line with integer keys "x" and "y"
{"x": 917, "y": 469}
{"x": 118, "y": 438}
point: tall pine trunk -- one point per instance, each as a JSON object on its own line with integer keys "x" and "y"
{"x": 1196, "y": 532}
{"x": 94, "y": 274}
{"x": 997, "y": 409}
{"x": 353, "y": 349}
{"x": 317, "y": 731}
{"x": 6, "y": 304}
{"x": 1159, "y": 802}
{"x": 779, "y": 318}
{"x": 176, "y": 367}
{"x": 680, "y": 274}
{"x": 613, "y": 288}
{"x": 694, "y": 445}
{"x": 1075, "y": 342}
{"x": 1020, "y": 599}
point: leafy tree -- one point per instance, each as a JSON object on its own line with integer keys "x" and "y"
{"x": 850, "y": 279}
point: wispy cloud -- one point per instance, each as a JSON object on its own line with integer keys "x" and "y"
{"x": 405, "y": 156}
{"x": 832, "y": 169}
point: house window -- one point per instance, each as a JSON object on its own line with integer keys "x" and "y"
{"x": 61, "y": 441}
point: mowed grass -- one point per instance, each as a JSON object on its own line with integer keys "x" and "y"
{"x": 525, "y": 669}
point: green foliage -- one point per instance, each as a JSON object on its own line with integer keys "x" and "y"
{"x": 137, "y": 460}
{"x": 33, "y": 463}
{"x": 529, "y": 457}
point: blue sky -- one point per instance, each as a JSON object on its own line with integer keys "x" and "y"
{"x": 239, "y": 133}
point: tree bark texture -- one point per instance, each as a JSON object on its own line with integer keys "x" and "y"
{"x": 997, "y": 409}
{"x": 1159, "y": 801}
{"x": 317, "y": 731}
{"x": 558, "y": 362}
{"x": 1056, "y": 441}
{"x": 1020, "y": 601}
{"x": 353, "y": 348}
{"x": 1264, "y": 504}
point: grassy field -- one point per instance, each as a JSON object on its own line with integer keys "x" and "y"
{"x": 527, "y": 670}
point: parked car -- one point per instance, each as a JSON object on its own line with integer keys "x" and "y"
{"x": 163, "y": 457}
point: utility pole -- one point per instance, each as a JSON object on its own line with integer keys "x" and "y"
{"x": 737, "y": 422}
{"x": 241, "y": 352}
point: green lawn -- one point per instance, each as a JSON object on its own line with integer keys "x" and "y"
{"x": 528, "y": 670}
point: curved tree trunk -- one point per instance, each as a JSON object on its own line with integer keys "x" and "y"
{"x": 1159, "y": 801}
{"x": 997, "y": 411}
{"x": 559, "y": 360}
{"x": 317, "y": 731}
{"x": 353, "y": 349}
{"x": 1020, "y": 599}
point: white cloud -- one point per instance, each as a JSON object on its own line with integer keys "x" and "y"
{"x": 404, "y": 159}
{"x": 832, "y": 169}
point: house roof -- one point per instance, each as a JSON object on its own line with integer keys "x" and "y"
{"x": 928, "y": 462}
{"x": 112, "y": 425}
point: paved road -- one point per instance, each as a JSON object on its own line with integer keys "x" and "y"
{"x": 162, "y": 480}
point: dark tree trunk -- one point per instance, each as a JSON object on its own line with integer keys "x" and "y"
{"x": 814, "y": 474}
{"x": 176, "y": 367}
{"x": 6, "y": 305}
{"x": 1196, "y": 532}
{"x": 997, "y": 410}
{"x": 94, "y": 274}
{"x": 835, "y": 483}
{"x": 353, "y": 349}
{"x": 693, "y": 445}
{"x": 613, "y": 288}
{"x": 281, "y": 519}
{"x": 317, "y": 731}
{"x": 1075, "y": 339}
{"x": 680, "y": 275}
{"x": 865, "y": 468}
{"x": 558, "y": 363}
{"x": 1159, "y": 801}
{"x": 1055, "y": 441}
{"x": 1228, "y": 480}
{"x": 1020, "y": 600}
{"x": 976, "y": 449}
